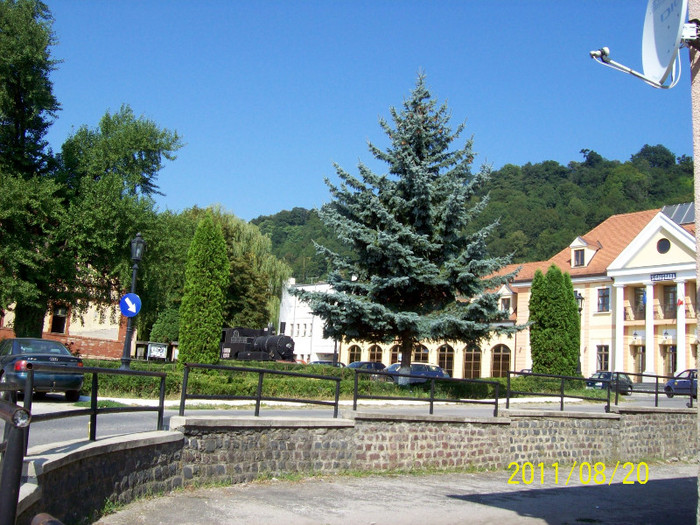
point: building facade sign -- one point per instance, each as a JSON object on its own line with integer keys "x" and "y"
{"x": 663, "y": 277}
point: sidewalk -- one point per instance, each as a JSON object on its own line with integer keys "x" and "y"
{"x": 669, "y": 496}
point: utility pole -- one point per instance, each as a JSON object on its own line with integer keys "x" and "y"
{"x": 694, "y": 14}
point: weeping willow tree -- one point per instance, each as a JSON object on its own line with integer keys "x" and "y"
{"x": 256, "y": 278}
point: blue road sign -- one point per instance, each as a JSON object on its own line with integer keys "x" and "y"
{"x": 130, "y": 305}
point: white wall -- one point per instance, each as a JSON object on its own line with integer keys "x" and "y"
{"x": 305, "y": 328}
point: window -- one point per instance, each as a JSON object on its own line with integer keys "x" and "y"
{"x": 446, "y": 358}
{"x": 640, "y": 301}
{"x": 395, "y": 354}
{"x": 640, "y": 360}
{"x": 603, "y": 299}
{"x": 579, "y": 258}
{"x": 670, "y": 359}
{"x": 354, "y": 354}
{"x": 472, "y": 362}
{"x": 375, "y": 353}
{"x": 663, "y": 246}
{"x": 669, "y": 305}
{"x": 505, "y": 304}
{"x": 603, "y": 357}
{"x": 58, "y": 320}
{"x": 420, "y": 355}
{"x": 500, "y": 364}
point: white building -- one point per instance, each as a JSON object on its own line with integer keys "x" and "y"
{"x": 297, "y": 321}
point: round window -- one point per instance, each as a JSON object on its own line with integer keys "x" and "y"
{"x": 663, "y": 246}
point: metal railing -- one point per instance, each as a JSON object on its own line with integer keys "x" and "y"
{"x": 258, "y": 397}
{"x": 432, "y": 399}
{"x": 563, "y": 380}
{"x": 12, "y": 448}
{"x": 94, "y": 410}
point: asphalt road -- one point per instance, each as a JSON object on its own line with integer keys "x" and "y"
{"x": 58, "y": 430}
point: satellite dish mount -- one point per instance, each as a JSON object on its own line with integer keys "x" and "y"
{"x": 665, "y": 32}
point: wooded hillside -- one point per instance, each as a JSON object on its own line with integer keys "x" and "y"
{"x": 540, "y": 207}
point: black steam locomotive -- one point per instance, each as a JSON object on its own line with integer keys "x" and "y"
{"x": 249, "y": 344}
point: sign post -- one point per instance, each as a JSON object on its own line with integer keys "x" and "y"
{"x": 130, "y": 304}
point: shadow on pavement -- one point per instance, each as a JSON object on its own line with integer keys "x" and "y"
{"x": 672, "y": 500}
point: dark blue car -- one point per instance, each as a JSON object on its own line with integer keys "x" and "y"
{"x": 425, "y": 372}
{"x": 685, "y": 383}
{"x": 17, "y": 353}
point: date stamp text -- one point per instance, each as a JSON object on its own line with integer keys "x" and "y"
{"x": 585, "y": 473}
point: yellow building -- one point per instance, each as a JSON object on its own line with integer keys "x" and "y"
{"x": 636, "y": 274}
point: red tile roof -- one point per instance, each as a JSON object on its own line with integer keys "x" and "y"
{"x": 612, "y": 235}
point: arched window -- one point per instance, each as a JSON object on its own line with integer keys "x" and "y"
{"x": 500, "y": 361}
{"x": 472, "y": 362}
{"x": 446, "y": 359}
{"x": 354, "y": 354}
{"x": 375, "y": 353}
{"x": 395, "y": 354}
{"x": 420, "y": 354}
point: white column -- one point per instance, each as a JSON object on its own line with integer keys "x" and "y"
{"x": 680, "y": 328}
{"x": 649, "y": 340}
{"x": 618, "y": 364}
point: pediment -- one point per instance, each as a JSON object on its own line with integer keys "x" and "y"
{"x": 661, "y": 244}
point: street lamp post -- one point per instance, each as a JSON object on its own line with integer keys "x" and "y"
{"x": 138, "y": 246}
{"x": 579, "y": 302}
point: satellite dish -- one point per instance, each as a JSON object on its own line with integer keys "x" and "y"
{"x": 665, "y": 31}
{"x": 661, "y": 39}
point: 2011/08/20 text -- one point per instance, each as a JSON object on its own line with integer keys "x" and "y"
{"x": 597, "y": 473}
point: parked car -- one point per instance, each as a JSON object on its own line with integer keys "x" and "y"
{"x": 370, "y": 366}
{"x": 626, "y": 384}
{"x": 686, "y": 382}
{"x": 416, "y": 369}
{"x": 328, "y": 363}
{"x": 17, "y": 353}
{"x": 367, "y": 365}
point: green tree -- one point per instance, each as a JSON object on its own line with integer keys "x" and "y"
{"x": 134, "y": 147}
{"x": 98, "y": 203}
{"x": 201, "y": 311}
{"x": 167, "y": 327}
{"x": 414, "y": 274}
{"x": 27, "y": 103}
{"x": 34, "y": 258}
{"x": 555, "y": 324}
{"x": 162, "y": 273}
{"x": 247, "y": 298}
{"x": 293, "y": 235}
{"x": 256, "y": 278}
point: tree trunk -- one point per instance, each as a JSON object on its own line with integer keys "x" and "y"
{"x": 406, "y": 351}
{"x": 29, "y": 320}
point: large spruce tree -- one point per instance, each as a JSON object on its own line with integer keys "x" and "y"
{"x": 414, "y": 273}
{"x": 555, "y": 324}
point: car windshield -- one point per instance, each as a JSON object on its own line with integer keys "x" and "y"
{"x": 42, "y": 347}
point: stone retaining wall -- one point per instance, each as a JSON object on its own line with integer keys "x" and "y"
{"x": 75, "y": 480}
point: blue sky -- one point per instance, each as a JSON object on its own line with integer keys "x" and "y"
{"x": 268, "y": 94}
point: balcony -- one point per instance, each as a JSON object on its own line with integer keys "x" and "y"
{"x": 634, "y": 313}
